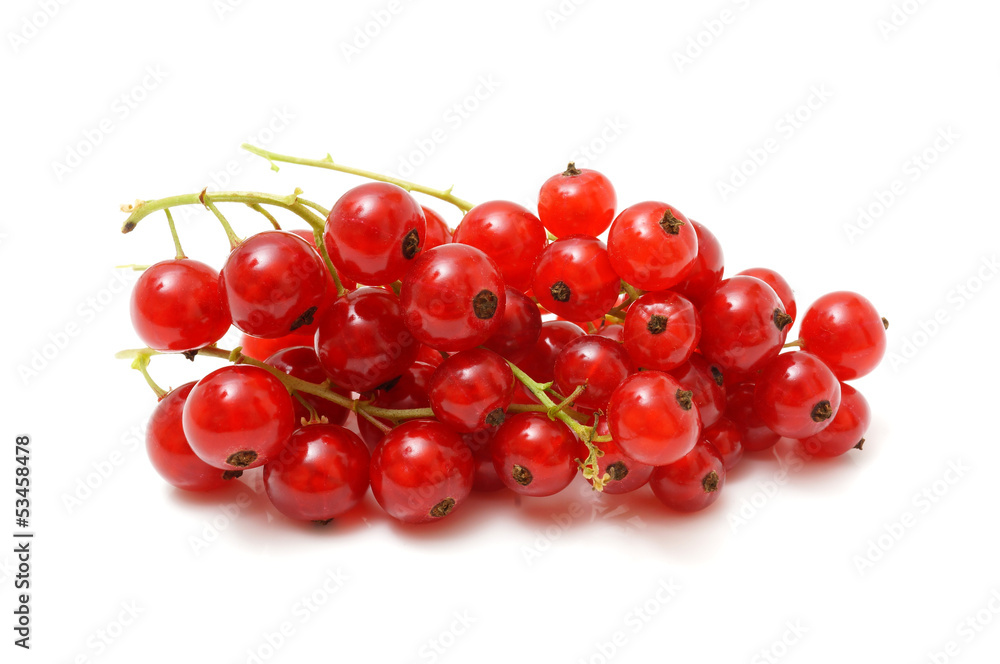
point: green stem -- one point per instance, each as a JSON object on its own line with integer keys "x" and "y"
{"x": 141, "y": 364}
{"x": 234, "y": 240}
{"x": 633, "y": 292}
{"x": 559, "y": 407}
{"x": 328, "y": 163}
{"x": 321, "y": 246}
{"x": 316, "y": 206}
{"x": 267, "y": 215}
{"x": 798, "y": 343}
{"x": 173, "y": 232}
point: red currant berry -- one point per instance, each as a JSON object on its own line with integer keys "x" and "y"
{"x": 238, "y": 417}
{"x": 409, "y": 391}
{"x": 428, "y": 355}
{"x": 725, "y": 438}
{"x": 755, "y": 436}
{"x": 706, "y": 273}
{"x": 471, "y": 390}
{"x": 486, "y": 478}
{"x": 421, "y": 471}
{"x": 373, "y": 232}
{"x": 540, "y": 361}
{"x": 743, "y": 325}
{"x": 321, "y": 473}
{"x": 615, "y": 332}
{"x": 519, "y": 328}
{"x": 625, "y": 473}
{"x": 597, "y": 363}
{"x": 704, "y": 380}
{"x": 303, "y": 363}
{"x": 691, "y": 483}
{"x": 177, "y": 306}
{"x": 661, "y": 331}
{"x": 535, "y": 456}
{"x": 796, "y": 395}
{"x": 845, "y": 331}
{"x": 453, "y": 297}
{"x": 653, "y": 419}
{"x": 362, "y": 341}
{"x": 437, "y": 232}
{"x": 170, "y": 452}
{"x": 778, "y": 284}
{"x": 577, "y": 202}
{"x": 652, "y": 246}
{"x": 274, "y": 283}
{"x": 509, "y": 234}
{"x": 331, "y": 287}
{"x": 847, "y": 429}
{"x": 574, "y": 279}
{"x": 261, "y": 349}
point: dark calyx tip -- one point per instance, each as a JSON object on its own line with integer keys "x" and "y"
{"x": 781, "y": 319}
{"x": 190, "y": 354}
{"x": 322, "y": 522}
{"x": 521, "y": 475}
{"x": 305, "y": 319}
{"x": 657, "y": 324}
{"x": 572, "y": 170}
{"x": 717, "y": 376}
{"x": 560, "y": 291}
{"x": 684, "y": 398}
{"x": 822, "y": 411}
{"x": 710, "y": 482}
{"x": 232, "y": 474}
{"x": 885, "y": 322}
{"x": 860, "y": 445}
{"x": 670, "y": 223}
{"x": 495, "y": 418}
{"x": 443, "y": 508}
{"x": 411, "y": 244}
{"x": 242, "y": 459}
{"x": 484, "y": 304}
{"x": 617, "y": 471}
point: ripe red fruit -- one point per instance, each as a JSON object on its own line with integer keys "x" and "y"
{"x": 303, "y": 363}
{"x": 486, "y": 478}
{"x": 845, "y": 331}
{"x": 691, "y": 483}
{"x": 653, "y": 419}
{"x": 362, "y": 341}
{"x": 755, "y": 436}
{"x": 597, "y": 362}
{"x": 577, "y": 202}
{"x": 373, "y": 232}
{"x": 724, "y": 436}
{"x": 509, "y": 234}
{"x": 261, "y": 349}
{"x": 518, "y": 329}
{"x": 437, "y": 232}
{"x": 778, "y": 284}
{"x": 661, "y": 331}
{"x": 652, "y": 246}
{"x": 743, "y": 325}
{"x": 471, "y": 390}
{"x": 321, "y": 473}
{"x": 421, "y": 471}
{"x": 238, "y": 417}
{"x": 847, "y": 429}
{"x": 706, "y": 273}
{"x": 331, "y": 288}
{"x": 539, "y": 362}
{"x": 169, "y": 450}
{"x": 453, "y": 297}
{"x": 177, "y": 306}
{"x": 274, "y": 283}
{"x": 706, "y": 382}
{"x": 409, "y": 391}
{"x": 625, "y": 473}
{"x": 796, "y": 395}
{"x": 535, "y": 456}
{"x": 573, "y": 279}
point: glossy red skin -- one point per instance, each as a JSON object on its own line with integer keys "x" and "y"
{"x": 847, "y": 428}
{"x": 428, "y": 355}
{"x": 724, "y": 436}
{"x": 486, "y": 478}
{"x": 409, "y": 391}
{"x": 648, "y": 422}
{"x": 366, "y": 229}
{"x": 845, "y": 331}
{"x": 540, "y": 361}
{"x": 681, "y": 485}
{"x": 169, "y": 450}
{"x": 302, "y": 362}
{"x": 577, "y": 204}
{"x": 581, "y": 263}
{"x": 438, "y": 293}
{"x": 706, "y": 273}
{"x": 519, "y": 329}
{"x": 673, "y": 346}
{"x": 738, "y": 329}
{"x": 509, "y": 234}
{"x": 755, "y": 436}
{"x": 418, "y": 465}
{"x": 321, "y": 473}
{"x": 437, "y": 232}
{"x": 261, "y": 349}
{"x": 633, "y": 475}
{"x": 789, "y": 388}
{"x": 274, "y": 283}
{"x": 469, "y": 387}
{"x": 709, "y": 391}
{"x": 644, "y": 254}
{"x": 177, "y": 306}
{"x": 778, "y": 284}
{"x": 546, "y": 448}
{"x": 362, "y": 341}
{"x": 331, "y": 287}
{"x": 615, "y": 332}
{"x": 595, "y": 361}
{"x": 238, "y": 408}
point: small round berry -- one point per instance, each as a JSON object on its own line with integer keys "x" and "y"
{"x": 743, "y": 325}
{"x": 781, "y": 287}
{"x": 471, "y": 390}
{"x": 755, "y": 436}
{"x": 691, "y": 483}
{"x": 661, "y": 331}
{"x": 706, "y": 273}
{"x": 177, "y": 306}
{"x": 796, "y": 395}
{"x": 518, "y": 330}
{"x": 625, "y": 474}
{"x": 437, "y": 232}
{"x": 409, "y": 391}
{"x": 573, "y": 279}
{"x": 535, "y": 456}
{"x": 593, "y": 361}
{"x": 845, "y": 331}
{"x": 486, "y": 478}
{"x": 170, "y": 452}
{"x": 653, "y": 419}
{"x": 303, "y": 363}
{"x": 540, "y": 361}
{"x": 705, "y": 380}
{"x": 846, "y": 431}
{"x": 652, "y": 246}
{"x": 578, "y": 201}
{"x": 261, "y": 349}
{"x": 724, "y": 436}
{"x": 509, "y": 234}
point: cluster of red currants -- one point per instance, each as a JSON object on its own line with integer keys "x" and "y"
{"x": 514, "y": 352}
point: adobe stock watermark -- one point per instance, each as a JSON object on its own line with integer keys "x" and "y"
{"x": 711, "y": 30}
{"x": 956, "y": 300}
{"x": 300, "y": 612}
{"x": 375, "y": 24}
{"x": 899, "y": 15}
{"x": 767, "y": 489}
{"x": 911, "y": 171}
{"x": 452, "y": 119}
{"x": 225, "y": 516}
{"x": 775, "y": 651}
{"x": 33, "y": 23}
{"x": 785, "y": 129}
{"x": 586, "y": 154}
{"x": 120, "y": 109}
{"x": 636, "y": 619}
{"x": 967, "y": 630}
{"x": 223, "y": 8}
{"x": 53, "y": 344}
{"x": 97, "y": 474}
{"x": 435, "y": 647}
{"x": 107, "y": 635}
{"x": 922, "y": 502}
{"x": 561, "y": 12}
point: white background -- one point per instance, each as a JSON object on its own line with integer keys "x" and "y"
{"x": 810, "y": 564}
